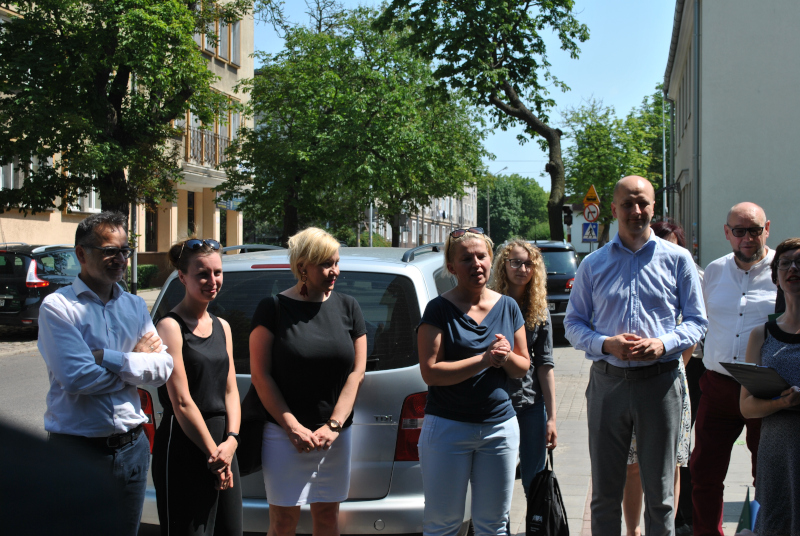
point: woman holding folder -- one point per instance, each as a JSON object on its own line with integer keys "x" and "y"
{"x": 778, "y": 346}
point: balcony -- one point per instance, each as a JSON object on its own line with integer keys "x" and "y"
{"x": 205, "y": 148}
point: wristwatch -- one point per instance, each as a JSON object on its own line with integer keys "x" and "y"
{"x": 334, "y": 425}
{"x": 233, "y": 435}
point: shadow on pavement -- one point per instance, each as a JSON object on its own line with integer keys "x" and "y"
{"x": 18, "y": 333}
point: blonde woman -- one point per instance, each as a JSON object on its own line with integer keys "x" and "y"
{"x": 471, "y": 340}
{"x": 519, "y": 272}
{"x": 308, "y": 356}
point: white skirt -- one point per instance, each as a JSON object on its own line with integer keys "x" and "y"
{"x": 293, "y": 478}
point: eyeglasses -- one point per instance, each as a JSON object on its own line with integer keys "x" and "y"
{"x": 458, "y": 233}
{"x": 113, "y": 252}
{"x": 195, "y": 243}
{"x": 516, "y": 264}
{"x": 785, "y": 264}
{"x": 739, "y": 232}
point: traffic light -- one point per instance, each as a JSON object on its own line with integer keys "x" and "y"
{"x": 567, "y": 215}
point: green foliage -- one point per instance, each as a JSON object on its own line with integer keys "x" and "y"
{"x": 342, "y": 118}
{"x": 98, "y": 83}
{"x": 144, "y": 275}
{"x": 518, "y": 207}
{"x": 607, "y": 148}
{"x": 347, "y": 235}
{"x": 494, "y": 52}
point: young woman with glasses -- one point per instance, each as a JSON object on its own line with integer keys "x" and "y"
{"x": 471, "y": 340}
{"x": 519, "y": 272}
{"x": 778, "y": 346}
{"x": 195, "y": 472}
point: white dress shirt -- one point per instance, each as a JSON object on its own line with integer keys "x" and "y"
{"x": 737, "y": 301}
{"x": 87, "y": 399}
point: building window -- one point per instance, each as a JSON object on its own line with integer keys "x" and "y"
{"x": 190, "y": 213}
{"x": 10, "y": 177}
{"x": 224, "y": 41}
{"x": 236, "y": 47}
{"x": 90, "y": 202}
{"x": 210, "y": 46}
{"x": 150, "y": 230}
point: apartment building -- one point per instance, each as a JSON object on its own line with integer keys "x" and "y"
{"x": 196, "y": 210}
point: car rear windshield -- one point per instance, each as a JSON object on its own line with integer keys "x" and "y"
{"x": 388, "y": 302}
{"x": 13, "y": 265}
{"x": 559, "y": 261}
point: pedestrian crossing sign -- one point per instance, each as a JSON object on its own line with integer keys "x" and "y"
{"x": 590, "y": 231}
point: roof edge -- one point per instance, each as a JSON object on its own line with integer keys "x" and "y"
{"x": 673, "y": 45}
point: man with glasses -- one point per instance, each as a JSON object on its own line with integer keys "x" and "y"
{"x": 739, "y": 295}
{"x": 99, "y": 343}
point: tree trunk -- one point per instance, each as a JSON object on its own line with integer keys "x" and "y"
{"x": 291, "y": 222}
{"x": 113, "y": 190}
{"x": 396, "y": 231}
{"x": 555, "y": 166}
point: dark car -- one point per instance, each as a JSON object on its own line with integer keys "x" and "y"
{"x": 561, "y": 263}
{"x": 28, "y": 274}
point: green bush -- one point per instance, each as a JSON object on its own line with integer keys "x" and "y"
{"x": 144, "y": 275}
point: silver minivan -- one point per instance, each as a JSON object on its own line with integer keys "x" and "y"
{"x": 392, "y": 286}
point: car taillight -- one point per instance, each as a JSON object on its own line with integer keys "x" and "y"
{"x": 147, "y": 407}
{"x": 411, "y": 418}
{"x": 32, "y": 280}
{"x": 568, "y": 286}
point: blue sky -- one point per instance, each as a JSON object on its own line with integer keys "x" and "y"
{"x": 620, "y": 64}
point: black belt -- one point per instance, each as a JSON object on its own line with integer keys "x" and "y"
{"x": 116, "y": 441}
{"x": 636, "y": 373}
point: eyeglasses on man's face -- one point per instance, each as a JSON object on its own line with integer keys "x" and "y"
{"x": 109, "y": 252}
{"x": 739, "y": 232}
{"x": 516, "y": 264}
{"x": 458, "y": 233}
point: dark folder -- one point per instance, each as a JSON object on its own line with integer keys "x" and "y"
{"x": 762, "y": 382}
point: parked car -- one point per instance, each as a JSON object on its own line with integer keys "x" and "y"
{"x": 392, "y": 287}
{"x": 561, "y": 263}
{"x": 28, "y": 273}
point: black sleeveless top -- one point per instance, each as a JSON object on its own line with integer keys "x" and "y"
{"x": 207, "y": 364}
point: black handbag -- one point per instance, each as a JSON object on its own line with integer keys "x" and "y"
{"x": 546, "y": 515}
{"x": 251, "y": 430}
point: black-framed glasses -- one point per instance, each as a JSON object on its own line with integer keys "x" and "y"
{"x": 785, "y": 264}
{"x": 516, "y": 264}
{"x": 458, "y": 233}
{"x": 109, "y": 252}
{"x": 195, "y": 243}
{"x": 739, "y": 232}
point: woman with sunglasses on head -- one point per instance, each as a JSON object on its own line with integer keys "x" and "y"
{"x": 195, "y": 472}
{"x": 471, "y": 340}
{"x": 308, "y": 356}
{"x": 519, "y": 272}
{"x": 777, "y": 345}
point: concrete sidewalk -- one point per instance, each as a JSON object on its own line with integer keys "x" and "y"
{"x": 571, "y": 457}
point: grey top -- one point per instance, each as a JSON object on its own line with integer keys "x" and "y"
{"x": 526, "y": 390}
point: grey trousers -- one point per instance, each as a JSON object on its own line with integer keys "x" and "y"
{"x": 615, "y": 406}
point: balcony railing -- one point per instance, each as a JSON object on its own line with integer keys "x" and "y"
{"x": 206, "y": 148}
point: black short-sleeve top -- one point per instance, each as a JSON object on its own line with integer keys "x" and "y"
{"x": 312, "y": 353}
{"x": 483, "y": 398}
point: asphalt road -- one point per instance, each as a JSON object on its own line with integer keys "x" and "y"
{"x": 23, "y": 380}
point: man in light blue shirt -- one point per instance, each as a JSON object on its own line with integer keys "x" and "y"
{"x": 623, "y": 312}
{"x": 99, "y": 343}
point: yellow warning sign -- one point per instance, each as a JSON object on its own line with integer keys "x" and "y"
{"x": 591, "y": 197}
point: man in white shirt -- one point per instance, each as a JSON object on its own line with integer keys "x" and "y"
{"x": 739, "y": 295}
{"x": 99, "y": 343}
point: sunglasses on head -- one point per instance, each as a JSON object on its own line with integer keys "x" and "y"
{"x": 195, "y": 243}
{"x": 739, "y": 232}
{"x": 458, "y": 233}
{"x": 109, "y": 252}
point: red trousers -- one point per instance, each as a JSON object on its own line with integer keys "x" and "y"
{"x": 719, "y": 424}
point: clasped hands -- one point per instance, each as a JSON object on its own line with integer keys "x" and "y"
{"x": 497, "y": 353}
{"x": 630, "y": 347}
{"x": 219, "y": 463}
{"x": 304, "y": 440}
